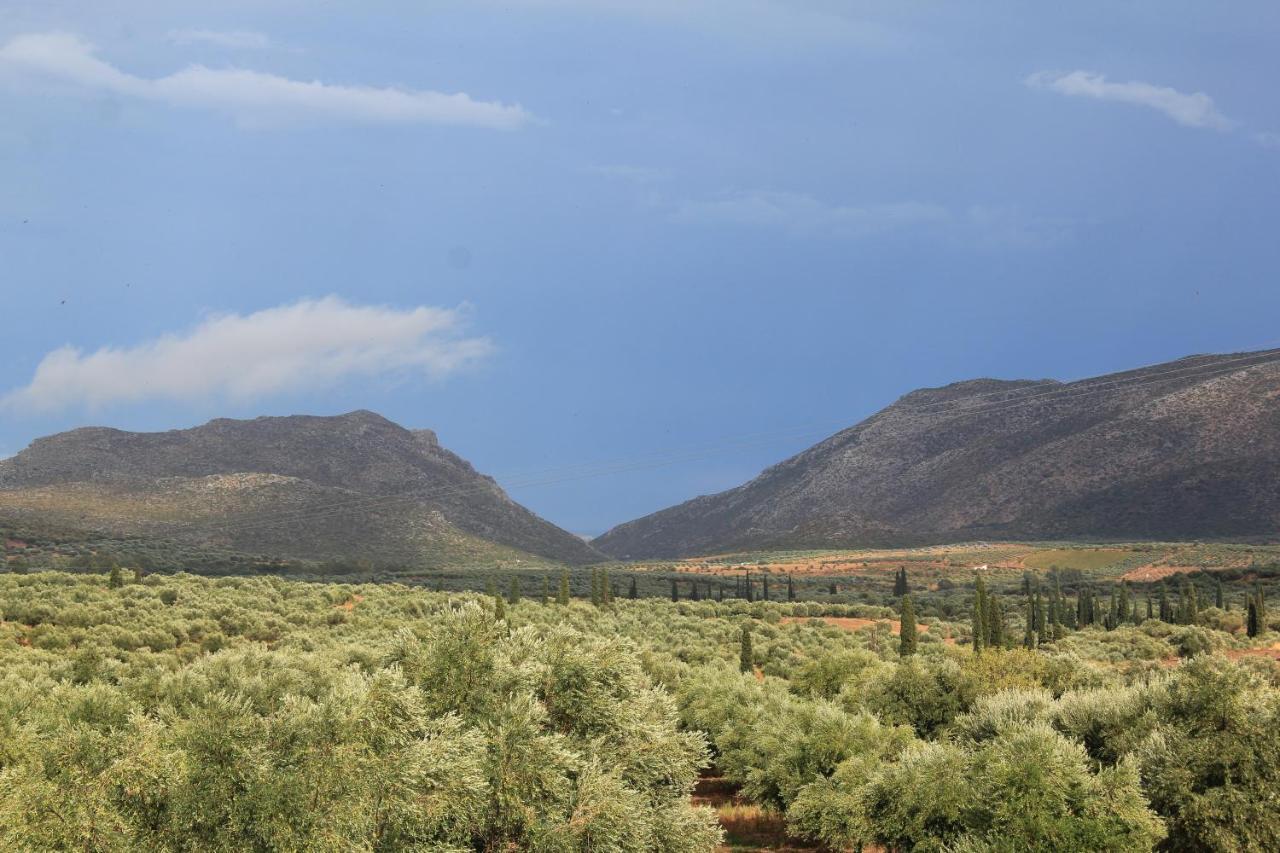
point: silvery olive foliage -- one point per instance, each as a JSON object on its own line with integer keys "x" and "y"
{"x": 183, "y": 713}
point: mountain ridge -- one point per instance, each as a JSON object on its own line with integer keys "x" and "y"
{"x": 1184, "y": 448}
{"x": 354, "y": 484}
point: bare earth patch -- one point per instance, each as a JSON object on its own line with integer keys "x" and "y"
{"x": 747, "y": 826}
{"x": 1146, "y": 574}
{"x": 854, "y": 623}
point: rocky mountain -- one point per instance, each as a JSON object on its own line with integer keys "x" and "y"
{"x": 354, "y": 485}
{"x": 1186, "y": 449}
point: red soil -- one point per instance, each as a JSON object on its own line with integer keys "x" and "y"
{"x": 852, "y": 623}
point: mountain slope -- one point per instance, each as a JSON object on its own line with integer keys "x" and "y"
{"x": 354, "y": 485}
{"x": 1190, "y": 448}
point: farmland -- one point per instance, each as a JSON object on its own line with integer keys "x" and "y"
{"x": 151, "y": 711}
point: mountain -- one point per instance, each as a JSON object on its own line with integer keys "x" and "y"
{"x": 354, "y": 486}
{"x": 1186, "y": 449}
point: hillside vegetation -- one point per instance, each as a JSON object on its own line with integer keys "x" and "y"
{"x": 1184, "y": 450}
{"x": 354, "y": 486}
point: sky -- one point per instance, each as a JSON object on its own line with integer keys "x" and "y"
{"x": 624, "y": 252}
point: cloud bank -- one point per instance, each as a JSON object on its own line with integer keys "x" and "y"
{"x": 307, "y": 345}
{"x": 251, "y": 96}
{"x": 1191, "y": 110}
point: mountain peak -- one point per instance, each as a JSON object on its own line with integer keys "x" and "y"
{"x": 1186, "y": 449}
{"x": 359, "y": 460}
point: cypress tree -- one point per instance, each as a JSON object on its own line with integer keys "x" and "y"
{"x": 499, "y": 608}
{"x": 995, "y": 622}
{"x": 1217, "y": 594}
{"x": 746, "y": 658}
{"x": 764, "y": 590}
{"x": 1260, "y": 598}
{"x": 791, "y": 589}
{"x": 1122, "y": 606}
{"x": 675, "y": 590}
{"x": 606, "y": 589}
{"x": 979, "y": 615}
{"x": 749, "y": 587}
{"x": 632, "y": 592}
{"x": 907, "y": 631}
{"x": 1029, "y": 637}
{"x": 562, "y": 596}
{"x": 137, "y": 574}
{"x": 1042, "y": 626}
{"x": 1166, "y": 612}
{"x": 1251, "y": 617}
{"x": 900, "y": 583}
{"x": 114, "y": 579}
{"x": 694, "y": 595}
{"x": 720, "y": 593}
{"x": 514, "y": 595}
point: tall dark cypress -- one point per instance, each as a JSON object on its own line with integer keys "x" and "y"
{"x": 1029, "y": 635}
{"x": 746, "y": 657}
{"x": 791, "y": 589}
{"x": 675, "y": 590}
{"x": 979, "y": 614}
{"x": 900, "y": 582}
{"x": 764, "y": 592}
{"x": 907, "y": 631}
{"x": 633, "y": 592}
{"x": 750, "y": 587}
{"x": 1217, "y": 594}
{"x": 995, "y": 622}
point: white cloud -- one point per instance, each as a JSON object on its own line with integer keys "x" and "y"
{"x": 307, "y": 345}
{"x": 230, "y": 39}
{"x": 1195, "y": 109}
{"x": 251, "y": 96}
{"x": 804, "y": 213}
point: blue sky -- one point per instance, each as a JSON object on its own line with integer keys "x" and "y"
{"x": 569, "y": 233}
